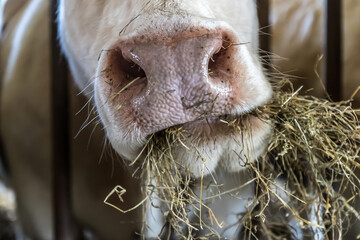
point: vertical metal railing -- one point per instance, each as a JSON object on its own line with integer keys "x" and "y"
{"x": 333, "y": 48}
{"x": 333, "y": 51}
{"x": 333, "y": 66}
{"x": 333, "y": 42}
{"x": 264, "y": 31}
{"x": 63, "y": 222}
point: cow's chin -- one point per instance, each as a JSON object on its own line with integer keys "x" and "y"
{"x": 207, "y": 144}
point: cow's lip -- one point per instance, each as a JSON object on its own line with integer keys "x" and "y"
{"x": 216, "y": 124}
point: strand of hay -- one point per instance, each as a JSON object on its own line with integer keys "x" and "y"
{"x": 314, "y": 148}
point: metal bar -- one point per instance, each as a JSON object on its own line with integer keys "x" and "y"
{"x": 264, "y": 33}
{"x": 333, "y": 66}
{"x": 333, "y": 49}
{"x": 63, "y": 222}
{"x": 4, "y": 165}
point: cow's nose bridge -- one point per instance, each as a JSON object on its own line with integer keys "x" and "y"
{"x": 190, "y": 56}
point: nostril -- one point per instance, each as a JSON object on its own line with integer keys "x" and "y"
{"x": 123, "y": 77}
{"x": 220, "y": 63}
{"x": 130, "y": 69}
{"x": 214, "y": 62}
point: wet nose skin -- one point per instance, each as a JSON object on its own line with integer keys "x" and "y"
{"x": 156, "y": 84}
{"x": 178, "y": 87}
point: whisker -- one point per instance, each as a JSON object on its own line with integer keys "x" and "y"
{"x": 91, "y": 134}
{"x": 105, "y": 142}
{"x": 84, "y": 126}
{"x": 86, "y": 104}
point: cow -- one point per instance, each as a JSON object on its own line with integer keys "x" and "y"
{"x": 169, "y": 46}
{"x": 188, "y": 43}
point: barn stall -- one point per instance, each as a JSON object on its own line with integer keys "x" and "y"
{"x": 62, "y": 173}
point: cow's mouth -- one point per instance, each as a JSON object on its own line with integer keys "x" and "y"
{"x": 228, "y": 140}
{"x": 217, "y": 127}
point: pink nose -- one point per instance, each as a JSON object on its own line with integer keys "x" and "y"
{"x": 161, "y": 81}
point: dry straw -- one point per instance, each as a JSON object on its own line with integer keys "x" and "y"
{"x": 308, "y": 172}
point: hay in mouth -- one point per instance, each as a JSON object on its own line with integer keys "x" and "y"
{"x": 314, "y": 146}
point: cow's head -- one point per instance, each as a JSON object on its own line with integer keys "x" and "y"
{"x": 153, "y": 64}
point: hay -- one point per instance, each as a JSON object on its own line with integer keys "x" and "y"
{"x": 314, "y": 148}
